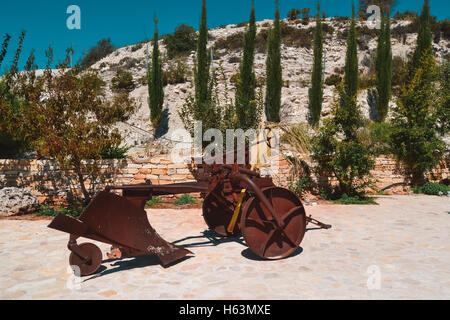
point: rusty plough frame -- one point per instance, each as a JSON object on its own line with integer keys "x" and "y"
{"x": 237, "y": 200}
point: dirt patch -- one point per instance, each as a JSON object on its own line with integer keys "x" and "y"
{"x": 27, "y": 217}
{"x": 169, "y": 205}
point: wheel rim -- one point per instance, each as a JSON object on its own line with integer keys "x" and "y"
{"x": 217, "y": 214}
{"x": 94, "y": 255}
{"x": 262, "y": 236}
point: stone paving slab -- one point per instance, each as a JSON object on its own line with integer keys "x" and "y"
{"x": 404, "y": 240}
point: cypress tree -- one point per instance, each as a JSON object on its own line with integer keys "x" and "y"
{"x": 201, "y": 70}
{"x": 383, "y": 66}
{"x": 351, "y": 61}
{"x": 273, "y": 70}
{"x": 155, "y": 83}
{"x": 316, "y": 96}
{"x": 415, "y": 140}
{"x": 424, "y": 37}
{"x": 245, "y": 87}
{"x": 338, "y": 148}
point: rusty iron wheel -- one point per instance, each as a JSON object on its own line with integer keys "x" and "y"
{"x": 89, "y": 267}
{"x": 217, "y": 213}
{"x": 265, "y": 238}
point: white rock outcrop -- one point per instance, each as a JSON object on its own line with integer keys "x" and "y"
{"x": 16, "y": 201}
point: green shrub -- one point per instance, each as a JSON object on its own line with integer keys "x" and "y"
{"x": 379, "y": 138}
{"x": 366, "y": 81}
{"x": 431, "y": 188}
{"x": 327, "y": 29}
{"x": 231, "y": 43}
{"x": 261, "y": 40}
{"x": 177, "y": 72}
{"x": 407, "y": 15}
{"x": 242, "y": 24}
{"x": 122, "y": 82}
{"x": 103, "y": 48}
{"x": 114, "y": 152}
{"x": 73, "y": 210}
{"x": 153, "y": 202}
{"x": 296, "y": 37}
{"x": 185, "y": 199}
{"x": 399, "y": 71}
{"x": 333, "y": 80}
{"x": 346, "y": 200}
{"x": 183, "y": 41}
{"x": 293, "y": 14}
{"x": 136, "y": 47}
{"x": 129, "y": 63}
{"x": 300, "y": 186}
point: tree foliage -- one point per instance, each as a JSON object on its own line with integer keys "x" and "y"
{"x": 420, "y": 119}
{"x": 66, "y": 116}
{"x": 182, "y": 41}
{"x": 103, "y": 48}
{"x": 155, "y": 83}
{"x": 11, "y": 142}
{"x": 245, "y": 98}
{"x": 383, "y": 67}
{"x": 273, "y": 70}
{"x": 122, "y": 81}
{"x": 424, "y": 37}
{"x": 351, "y": 80}
{"x": 338, "y": 148}
{"x": 316, "y": 95}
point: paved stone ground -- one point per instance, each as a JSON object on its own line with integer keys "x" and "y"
{"x": 405, "y": 239}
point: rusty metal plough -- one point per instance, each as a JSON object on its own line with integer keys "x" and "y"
{"x": 237, "y": 201}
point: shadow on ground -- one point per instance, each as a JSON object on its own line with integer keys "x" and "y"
{"x": 211, "y": 239}
{"x": 247, "y": 253}
{"x": 129, "y": 264}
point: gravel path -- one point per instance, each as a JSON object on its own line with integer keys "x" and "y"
{"x": 399, "y": 249}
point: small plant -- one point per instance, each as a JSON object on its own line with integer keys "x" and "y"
{"x": 73, "y": 210}
{"x": 181, "y": 42}
{"x": 333, "y": 80}
{"x": 114, "y": 152}
{"x": 346, "y": 200}
{"x": 242, "y": 24}
{"x": 434, "y": 189}
{"x": 177, "y": 72}
{"x": 136, "y": 47}
{"x": 293, "y": 14}
{"x": 122, "y": 82}
{"x": 103, "y": 48}
{"x": 153, "y": 202}
{"x": 232, "y": 42}
{"x": 299, "y": 186}
{"x": 185, "y": 199}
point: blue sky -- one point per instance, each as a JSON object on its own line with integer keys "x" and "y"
{"x": 130, "y": 21}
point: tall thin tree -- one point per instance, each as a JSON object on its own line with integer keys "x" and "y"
{"x": 245, "y": 88}
{"x": 274, "y": 70}
{"x": 415, "y": 139}
{"x": 424, "y": 37}
{"x": 316, "y": 96}
{"x": 155, "y": 82}
{"x": 383, "y": 66}
{"x": 201, "y": 70}
{"x": 351, "y": 79}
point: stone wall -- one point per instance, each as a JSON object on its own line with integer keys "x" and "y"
{"x": 47, "y": 182}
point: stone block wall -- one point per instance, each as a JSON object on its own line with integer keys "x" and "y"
{"x": 47, "y": 182}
